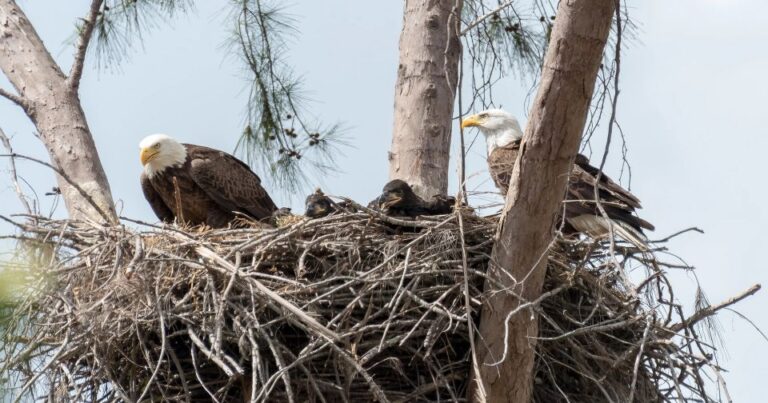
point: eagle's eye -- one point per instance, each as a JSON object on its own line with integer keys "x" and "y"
{"x": 157, "y": 145}
{"x": 483, "y": 115}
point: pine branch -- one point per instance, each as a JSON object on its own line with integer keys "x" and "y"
{"x": 86, "y": 32}
{"x": 484, "y": 17}
{"x": 278, "y": 136}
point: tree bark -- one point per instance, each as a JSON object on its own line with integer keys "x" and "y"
{"x": 52, "y": 103}
{"x": 427, "y": 76}
{"x": 536, "y": 191}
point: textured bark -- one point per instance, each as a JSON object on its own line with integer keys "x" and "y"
{"x": 424, "y": 95}
{"x": 535, "y": 195}
{"x": 52, "y": 103}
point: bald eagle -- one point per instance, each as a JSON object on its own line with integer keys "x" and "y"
{"x": 399, "y": 199}
{"x": 582, "y": 215}
{"x": 199, "y": 185}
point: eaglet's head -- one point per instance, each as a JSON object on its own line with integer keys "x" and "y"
{"x": 395, "y": 193}
{"x": 160, "y": 151}
{"x": 318, "y": 205}
{"x": 498, "y": 126}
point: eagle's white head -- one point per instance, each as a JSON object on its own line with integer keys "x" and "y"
{"x": 499, "y": 127}
{"x": 160, "y": 151}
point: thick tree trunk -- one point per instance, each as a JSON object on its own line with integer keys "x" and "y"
{"x": 535, "y": 195}
{"x": 424, "y": 95}
{"x": 51, "y": 101}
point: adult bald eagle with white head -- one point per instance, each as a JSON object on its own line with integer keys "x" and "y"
{"x": 503, "y": 136}
{"x": 199, "y": 185}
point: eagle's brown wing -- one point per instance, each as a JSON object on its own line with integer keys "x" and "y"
{"x": 500, "y": 165}
{"x": 618, "y": 203}
{"x": 155, "y": 200}
{"x": 608, "y": 188}
{"x": 229, "y": 182}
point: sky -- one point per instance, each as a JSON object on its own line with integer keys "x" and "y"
{"x": 692, "y": 107}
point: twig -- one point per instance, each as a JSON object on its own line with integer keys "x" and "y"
{"x": 678, "y": 233}
{"x": 14, "y": 176}
{"x": 481, "y": 392}
{"x": 211, "y": 356}
{"x": 66, "y": 177}
{"x": 301, "y": 315}
{"x": 712, "y": 309}
{"x": 638, "y": 358}
{"x": 741, "y": 315}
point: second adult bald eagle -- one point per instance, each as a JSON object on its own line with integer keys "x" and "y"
{"x": 503, "y": 136}
{"x": 199, "y": 185}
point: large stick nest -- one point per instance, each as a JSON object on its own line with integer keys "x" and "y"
{"x": 350, "y": 307}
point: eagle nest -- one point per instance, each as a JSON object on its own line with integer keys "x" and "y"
{"x": 351, "y": 307}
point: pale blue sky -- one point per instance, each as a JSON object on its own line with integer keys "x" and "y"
{"x": 692, "y": 106}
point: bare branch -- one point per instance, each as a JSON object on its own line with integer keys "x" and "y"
{"x": 14, "y": 176}
{"x": 86, "y": 31}
{"x": 69, "y": 180}
{"x": 712, "y": 309}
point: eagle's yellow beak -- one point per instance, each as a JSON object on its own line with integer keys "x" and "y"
{"x": 470, "y": 121}
{"x": 147, "y": 154}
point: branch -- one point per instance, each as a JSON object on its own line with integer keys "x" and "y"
{"x": 712, "y": 309}
{"x": 18, "y": 100}
{"x": 14, "y": 177}
{"x": 69, "y": 180}
{"x": 86, "y": 32}
{"x": 274, "y": 297}
{"x": 485, "y": 17}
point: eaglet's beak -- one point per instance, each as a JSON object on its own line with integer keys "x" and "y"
{"x": 316, "y": 211}
{"x": 470, "y": 121}
{"x": 390, "y": 200}
{"x": 146, "y": 155}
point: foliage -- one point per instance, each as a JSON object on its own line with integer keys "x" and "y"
{"x": 502, "y": 39}
{"x": 121, "y": 25}
{"x": 279, "y": 135}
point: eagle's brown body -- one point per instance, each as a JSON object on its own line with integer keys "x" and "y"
{"x": 211, "y": 187}
{"x": 398, "y": 199}
{"x": 500, "y": 164}
{"x": 580, "y": 207}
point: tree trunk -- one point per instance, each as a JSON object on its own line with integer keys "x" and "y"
{"x": 424, "y": 95}
{"x": 52, "y": 103}
{"x": 535, "y": 195}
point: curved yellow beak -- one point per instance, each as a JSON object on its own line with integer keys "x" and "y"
{"x": 146, "y": 155}
{"x": 470, "y": 121}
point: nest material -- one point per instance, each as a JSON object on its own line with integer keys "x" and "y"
{"x": 350, "y": 307}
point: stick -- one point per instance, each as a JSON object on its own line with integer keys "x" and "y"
{"x": 301, "y": 315}
{"x": 712, "y": 309}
